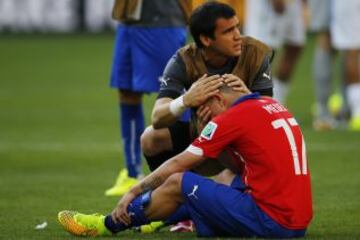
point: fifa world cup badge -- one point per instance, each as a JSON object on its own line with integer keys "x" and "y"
{"x": 209, "y": 130}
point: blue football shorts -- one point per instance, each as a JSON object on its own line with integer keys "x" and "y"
{"x": 141, "y": 54}
{"x": 218, "y": 210}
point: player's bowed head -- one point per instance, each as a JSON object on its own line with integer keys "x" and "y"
{"x": 226, "y": 96}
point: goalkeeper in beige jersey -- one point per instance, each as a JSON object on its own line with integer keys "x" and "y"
{"x": 219, "y": 55}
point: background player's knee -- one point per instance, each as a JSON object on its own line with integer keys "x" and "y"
{"x": 154, "y": 141}
{"x": 155, "y": 145}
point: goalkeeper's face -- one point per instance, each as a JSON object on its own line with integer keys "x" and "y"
{"x": 227, "y": 37}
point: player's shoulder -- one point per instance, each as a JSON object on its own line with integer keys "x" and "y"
{"x": 188, "y": 53}
{"x": 254, "y": 59}
{"x": 188, "y": 49}
{"x": 175, "y": 64}
{"x": 252, "y": 44}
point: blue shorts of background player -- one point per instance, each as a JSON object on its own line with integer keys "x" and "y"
{"x": 218, "y": 210}
{"x": 141, "y": 54}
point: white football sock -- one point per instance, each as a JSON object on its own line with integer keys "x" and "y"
{"x": 353, "y": 96}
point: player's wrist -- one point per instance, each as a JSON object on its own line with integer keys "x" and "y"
{"x": 186, "y": 100}
{"x": 177, "y": 106}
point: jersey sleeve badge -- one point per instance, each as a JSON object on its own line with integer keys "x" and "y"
{"x": 209, "y": 131}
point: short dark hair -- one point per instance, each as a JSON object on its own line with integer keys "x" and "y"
{"x": 203, "y": 19}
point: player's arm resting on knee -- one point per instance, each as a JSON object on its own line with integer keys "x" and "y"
{"x": 180, "y": 163}
{"x": 167, "y": 110}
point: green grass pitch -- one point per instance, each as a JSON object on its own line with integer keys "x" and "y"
{"x": 60, "y": 146}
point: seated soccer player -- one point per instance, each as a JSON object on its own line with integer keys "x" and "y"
{"x": 267, "y": 195}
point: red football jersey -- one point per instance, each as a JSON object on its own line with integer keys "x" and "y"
{"x": 271, "y": 156}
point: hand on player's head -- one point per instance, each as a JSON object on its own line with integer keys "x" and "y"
{"x": 235, "y": 83}
{"x": 202, "y": 89}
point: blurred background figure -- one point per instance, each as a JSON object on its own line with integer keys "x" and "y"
{"x": 38, "y": 15}
{"x": 280, "y": 24}
{"x": 320, "y": 16}
{"x": 64, "y": 16}
{"x": 331, "y": 108}
{"x": 149, "y": 33}
{"x": 344, "y": 37}
{"x": 96, "y": 15}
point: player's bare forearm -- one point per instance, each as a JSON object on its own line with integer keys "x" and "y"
{"x": 180, "y": 163}
{"x": 152, "y": 183}
{"x": 161, "y": 116}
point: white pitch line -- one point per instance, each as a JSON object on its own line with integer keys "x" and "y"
{"x": 339, "y": 147}
{"x": 58, "y": 146}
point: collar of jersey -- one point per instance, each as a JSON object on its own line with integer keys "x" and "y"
{"x": 254, "y": 95}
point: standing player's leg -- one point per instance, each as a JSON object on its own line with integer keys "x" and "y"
{"x": 322, "y": 63}
{"x": 149, "y": 61}
{"x": 346, "y": 17}
{"x": 132, "y": 125}
{"x": 144, "y": 65}
{"x": 292, "y": 35}
{"x": 284, "y": 71}
{"x": 276, "y": 27}
{"x": 131, "y": 118}
{"x": 322, "y": 69}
